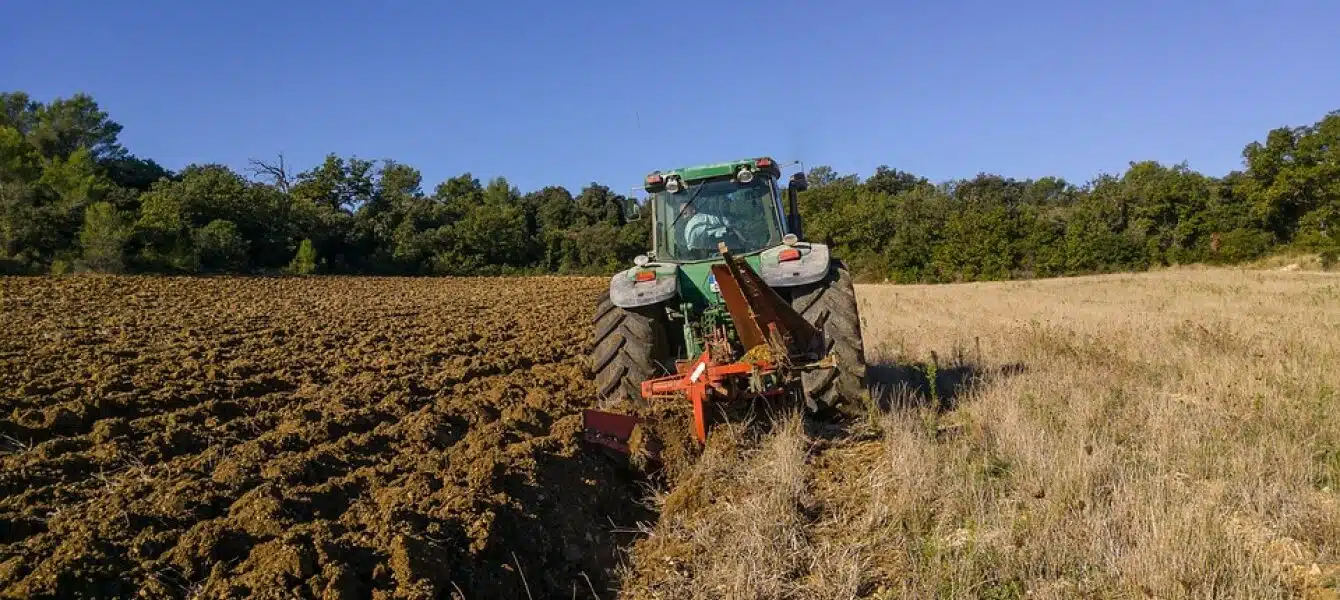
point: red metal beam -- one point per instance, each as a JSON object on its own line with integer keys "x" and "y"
{"x": 698, "y": 384}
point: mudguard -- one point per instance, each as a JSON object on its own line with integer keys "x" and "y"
{"x": 812, "y": 265}
{"x": 627, "y": 292}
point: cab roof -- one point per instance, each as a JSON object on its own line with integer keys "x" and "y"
{"x": 699, "y": 172}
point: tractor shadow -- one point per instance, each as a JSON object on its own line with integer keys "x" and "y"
{"x": 566, "y": 530}
{"x": 935, "y": 383}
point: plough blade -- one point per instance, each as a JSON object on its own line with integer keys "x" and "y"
{"x": 608, "y": 429}
{"x": 615, "y": 431}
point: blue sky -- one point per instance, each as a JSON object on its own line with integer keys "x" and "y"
{"x": 569, "y": 93}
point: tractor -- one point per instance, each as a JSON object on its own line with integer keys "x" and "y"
{"x": 728, "y": 304}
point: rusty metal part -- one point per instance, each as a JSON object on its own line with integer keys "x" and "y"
{"x": 756, "y": 309}
{"x": 717, "y": 341}
{"x": 746, "y": 328}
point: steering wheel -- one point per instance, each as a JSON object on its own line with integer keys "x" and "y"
{"x": 733, "y": 238}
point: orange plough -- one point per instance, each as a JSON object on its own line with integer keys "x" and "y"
{"x": 777, "y": 345}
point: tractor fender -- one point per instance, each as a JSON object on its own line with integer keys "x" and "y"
{"x": 812, "y": 265}
{"x": 627, "y": 292}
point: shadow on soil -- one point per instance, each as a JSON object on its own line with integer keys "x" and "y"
{"x": 576, "y": 519}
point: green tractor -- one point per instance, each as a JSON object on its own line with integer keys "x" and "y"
{"x": 728, "y": 302}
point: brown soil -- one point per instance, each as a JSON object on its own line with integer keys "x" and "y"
{"x": 331, "y": 438}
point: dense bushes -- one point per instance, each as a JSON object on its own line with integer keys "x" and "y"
{"x": 72, "y": 198}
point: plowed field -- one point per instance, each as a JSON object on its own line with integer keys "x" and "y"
{"x": 332, "y": 438}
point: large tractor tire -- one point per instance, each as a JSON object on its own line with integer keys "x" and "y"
{"x": 630, "y": 346}
{"x": 830, "y": 305}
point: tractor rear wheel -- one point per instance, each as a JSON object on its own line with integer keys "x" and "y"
{"x": 630, "y": 345}
{"x": 830, "y": 305}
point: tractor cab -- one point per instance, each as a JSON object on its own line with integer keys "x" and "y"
{"x": 696, "y": 211}
{"x": 737, "y": 203}
{"x": 742, "y": 210}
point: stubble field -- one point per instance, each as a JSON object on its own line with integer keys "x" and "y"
{"x": 1161, "y": 435}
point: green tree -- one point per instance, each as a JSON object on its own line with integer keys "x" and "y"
{"x": 19, "y": 160}
{"x": 163, "y": 229}
{"x": 75, "y": 179}
{"x": 977, "y": 244}
{"x": 304, "y": 262}
{"x": 554, "y": 212}
{"x": 103, "y": 238}
{"x": 135, "y": 173}
{"x": 824, "y": 175}
{"x": 1296, "y": 171}
{"x": 892, "y": 181}
{"x": 65, "y": 125}
{"x": 490, "y": 236}
{"x": 18, "y": 111}
{"x": 220, "y": 246}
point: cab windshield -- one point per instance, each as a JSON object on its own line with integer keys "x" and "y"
{"x": 690, "y": 223}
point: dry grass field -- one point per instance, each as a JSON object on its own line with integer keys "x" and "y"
{"x": 1162, "y": 435}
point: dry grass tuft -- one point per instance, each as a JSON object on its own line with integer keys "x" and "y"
{"x": 1294, "y": 261}
{"x": 710, "y": 530}
{"x": 1165, "y": 435}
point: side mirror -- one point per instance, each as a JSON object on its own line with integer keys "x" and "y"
{"x": 793, "y": 188}
{"x": 798, "y": 182}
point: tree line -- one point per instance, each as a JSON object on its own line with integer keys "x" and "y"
{"x": 73, "y": 198}
{"x": 901, "y": 227}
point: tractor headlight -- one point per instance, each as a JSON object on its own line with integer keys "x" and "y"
{"x": 672, "y": 185}
{"x": 745, "y": 175}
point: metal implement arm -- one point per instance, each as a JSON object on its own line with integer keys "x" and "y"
{"x": 756, "y": 308}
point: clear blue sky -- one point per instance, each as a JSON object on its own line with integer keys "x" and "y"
{"x": 572, "y": 92}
